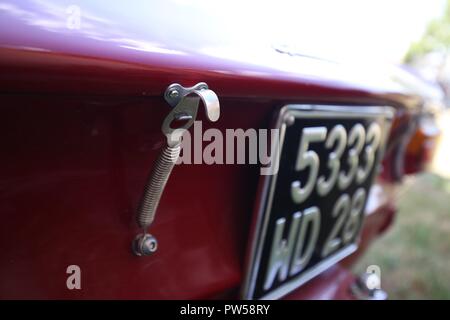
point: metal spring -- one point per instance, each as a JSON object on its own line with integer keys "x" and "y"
{"x": 156, "y": 183}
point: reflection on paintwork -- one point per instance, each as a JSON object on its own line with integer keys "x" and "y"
{"x": 202, "y": 32}
{"x": 62, "y": 17}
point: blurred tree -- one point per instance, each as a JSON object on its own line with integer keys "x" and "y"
{"x": 436, "y": 38}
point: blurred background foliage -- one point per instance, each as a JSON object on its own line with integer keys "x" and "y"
{"x": 414, "y": 254}
{"x": 435, "y": 38}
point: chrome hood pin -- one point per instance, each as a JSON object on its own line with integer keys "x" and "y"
{"x": 185, "y": 103}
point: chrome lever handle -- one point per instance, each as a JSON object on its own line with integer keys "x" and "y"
{"x": 187, "y": 102}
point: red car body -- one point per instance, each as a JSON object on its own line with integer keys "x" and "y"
{"x": 80, "y": 122}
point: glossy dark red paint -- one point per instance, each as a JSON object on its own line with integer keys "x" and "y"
{"x": 72, "y": 176}
{"x": 79, "y": 130}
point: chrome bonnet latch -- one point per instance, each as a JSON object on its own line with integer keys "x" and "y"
{"x": 185, "y": 103}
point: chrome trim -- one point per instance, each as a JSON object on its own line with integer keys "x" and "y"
{"x": 267, "y": 187}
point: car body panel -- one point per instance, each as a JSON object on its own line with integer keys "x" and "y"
{"x": 80, "y": 129}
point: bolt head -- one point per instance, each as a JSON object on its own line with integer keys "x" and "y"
{"x": 289, "y": 120}
{"x": 174, "y": 93}
{"x": 144, "y": 245}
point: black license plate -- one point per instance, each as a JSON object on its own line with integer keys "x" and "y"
{"x": 310, "y": 212}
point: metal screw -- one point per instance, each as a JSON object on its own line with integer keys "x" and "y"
{"x": 289, "y": 120}
{"x": 174, "y": 93}
{"x": 144, "y": 244}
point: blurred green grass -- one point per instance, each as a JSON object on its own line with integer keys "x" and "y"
{"x": 414, "y": 255}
